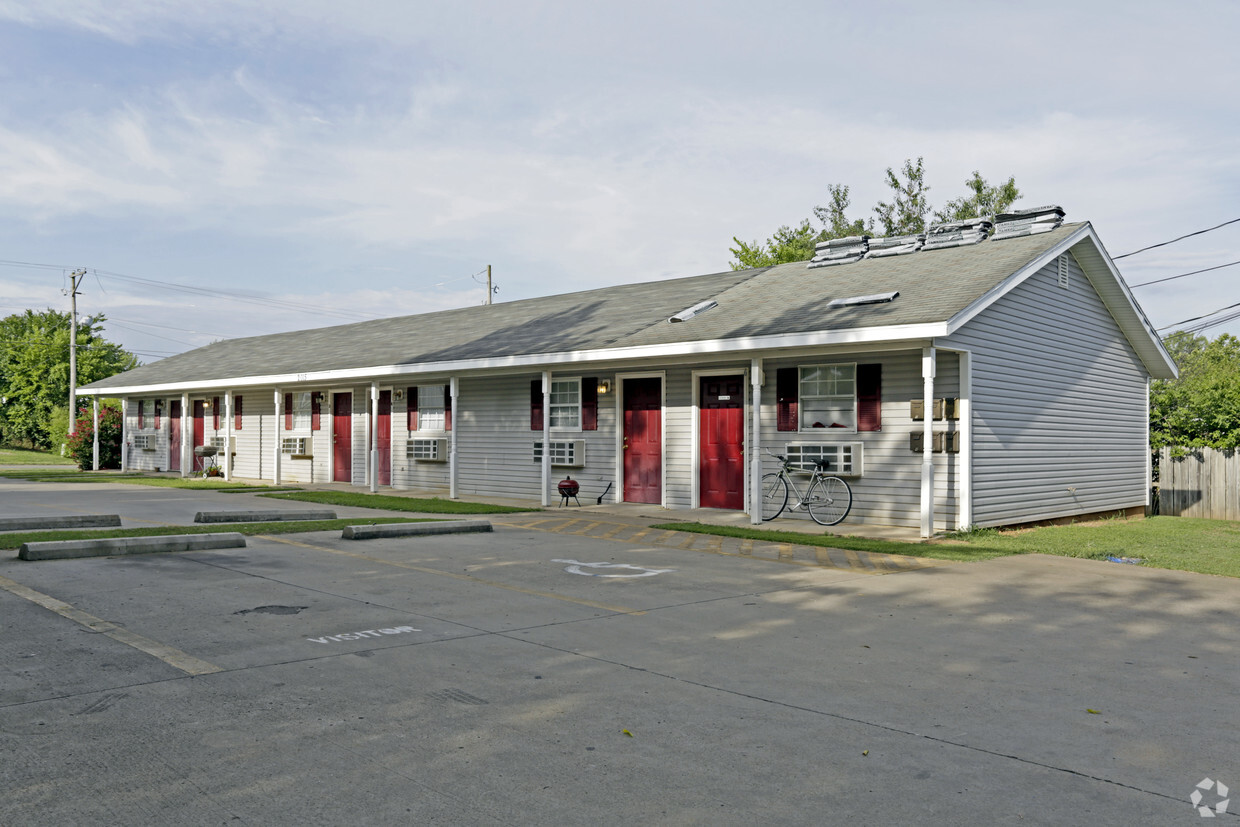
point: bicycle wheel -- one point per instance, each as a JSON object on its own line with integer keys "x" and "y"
{"x": 774, "y": 496}
{"x": 829, "y": 500}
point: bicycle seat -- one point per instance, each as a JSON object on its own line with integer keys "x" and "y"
{"x": 823, "y": 464}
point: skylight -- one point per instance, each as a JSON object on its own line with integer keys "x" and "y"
{"x": 877, "y": 298}
{"x": 700, "y": 307}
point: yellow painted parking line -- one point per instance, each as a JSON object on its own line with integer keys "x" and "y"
{"x": 613, "y": 531}
{"x": 172, "y": 656}
{"x": 589, "y": 527}
{"x": 465, "y": 577}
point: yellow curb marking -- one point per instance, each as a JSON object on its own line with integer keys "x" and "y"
{"x": 172, "y": 656}
{"x": 465, "y": 577}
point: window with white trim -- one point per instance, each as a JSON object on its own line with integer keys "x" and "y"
{"x": 146, "y": 413}
{"x": 430, "y": 408}
{"x": 566, "y": 404}
{"x": 302, "y": 409}
{"x": 570, "y": 453}
{"x": 843, "y": 459}
{"x": 828, "y": 397}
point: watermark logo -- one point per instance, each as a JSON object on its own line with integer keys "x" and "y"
{"x": 1205, "y": 786}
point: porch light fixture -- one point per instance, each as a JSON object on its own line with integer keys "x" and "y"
{"x": 604, "y": 386}
{"x": 700, "y": 307}
{"x": 876, "y": 298}
{"x": 398, "y": 394}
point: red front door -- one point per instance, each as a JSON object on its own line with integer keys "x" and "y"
{"x": 200, "y": 432}
{"x": 342, "y": 437}
{"x": 643, "y": 440}
{"x": 174, "y": 435}
{"x": 721, "y": 466}
{"x": 383, "y": 437}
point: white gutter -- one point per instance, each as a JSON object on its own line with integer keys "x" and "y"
{"x": 826, "y": 338}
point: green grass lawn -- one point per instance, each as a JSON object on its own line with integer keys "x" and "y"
{"x": 1203, "y": 546}
{"x": 15, "y": 539}
{"x": 131, "y": 478}
{"x": 25, "y": 456}
{"x": 433, "y": 505}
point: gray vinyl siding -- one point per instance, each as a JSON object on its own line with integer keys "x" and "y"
{"x": 146, "y": 460}
{"x": 679, "y": 463}
{"x": 495, "y": 444}
{"x": 1059, "y": 410}
{"x": 888, "y": 491}
{"x": 254, "y": 445}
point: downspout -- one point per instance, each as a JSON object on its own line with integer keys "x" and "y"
{"x": 453, "y": 392}
{"x": 373, "y": 471}
{"x": 546, "y": 441}
{"x": 277, "y": 420}
{"x": 755, "y": 443}
{"x": 928, "y": 364}
{"x": 965, "y": 426}
{"x": 95, "y": 445}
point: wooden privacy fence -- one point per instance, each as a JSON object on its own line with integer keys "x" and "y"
{"x": 1205, "y": 482}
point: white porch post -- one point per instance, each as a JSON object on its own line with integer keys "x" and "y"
{"x": 965, "y": 426}
{"x": 453, "y": 392}
{"x": 755, "y": 444}
{"x": 124, "y": 433}
{"x": 928, "y": 362}
{"x": 95, "y": 446}
{"x": 228, "y": 435}
{"x": 546, "y": 439}
{"x": 372, "y": 473}
{"x": 277, "y": 421}
{"x": 187, "y": 436}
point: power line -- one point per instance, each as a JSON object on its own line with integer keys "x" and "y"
{"x": 1174, "y": 240}
{"x": 1206, "y": 326}
{"x": 1182, "y": 275}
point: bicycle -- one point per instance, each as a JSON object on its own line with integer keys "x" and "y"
{"x": 828, "y": 498}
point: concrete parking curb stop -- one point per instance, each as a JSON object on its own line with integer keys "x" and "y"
{"x": 73, "y": 521}
{"x": 371, "y": 532}
{"x": 260, "y": 516}
{"x": 70, "y": 549}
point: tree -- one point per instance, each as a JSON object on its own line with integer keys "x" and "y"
{"x": 905, "y": 213}
{"x": 1202, "y": 407}
{"x": 34, "y": 370}
{"x": 81, "y": 444}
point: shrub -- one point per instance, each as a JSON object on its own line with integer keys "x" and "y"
{"x": 82, "y": 444}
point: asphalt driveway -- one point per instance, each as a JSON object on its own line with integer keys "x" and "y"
{"x": 533, "y": 677}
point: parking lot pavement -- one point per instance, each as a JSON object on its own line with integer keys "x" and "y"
{"x": 528, "y": 677}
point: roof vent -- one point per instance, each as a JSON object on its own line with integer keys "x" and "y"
{"x": 840, "y": 251}
{"x": 1028, "y": 222}
{"x": 877, "y": 298}
{"x": 957, "y": 233}
{"x": 700, "y": 307}
{"x": 896, "y": 245}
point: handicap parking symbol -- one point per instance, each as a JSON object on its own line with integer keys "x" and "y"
{"x": 576, "y": 567}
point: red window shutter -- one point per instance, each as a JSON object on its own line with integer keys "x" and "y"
{"x": 140, "y": 417}
{"x": 412, "y": 410}
{"x": 215, "y": 412}
{"x": 589, "y": 404}
{"x": 316, "y": 409}
{"x": 236, "y": 413}
{"x": 787, "y": 387}
{"x": 869, "y": 397}
{"x": 536, "y": 405}
{"x": 159, "y": 409}
{"x": 447, "y": 407}
{"x": 288, "y": 412}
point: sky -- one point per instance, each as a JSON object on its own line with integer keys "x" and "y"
{"x": 235, "y": 168}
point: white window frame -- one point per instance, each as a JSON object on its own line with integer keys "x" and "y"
{"x": 303, "y": 414}
{"x": 439, "y": 411}
{"x": 845, "y": 457}
{"x": 802, "y": 396}
{"x": 146, "y": 413}
{"x": 565, "y": 407}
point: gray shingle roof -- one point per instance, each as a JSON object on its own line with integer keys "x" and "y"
{"x": 789, "y": 298}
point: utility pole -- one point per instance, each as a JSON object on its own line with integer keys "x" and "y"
{"x": 75, "y": 278}
{"x": 489, "y": 289}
